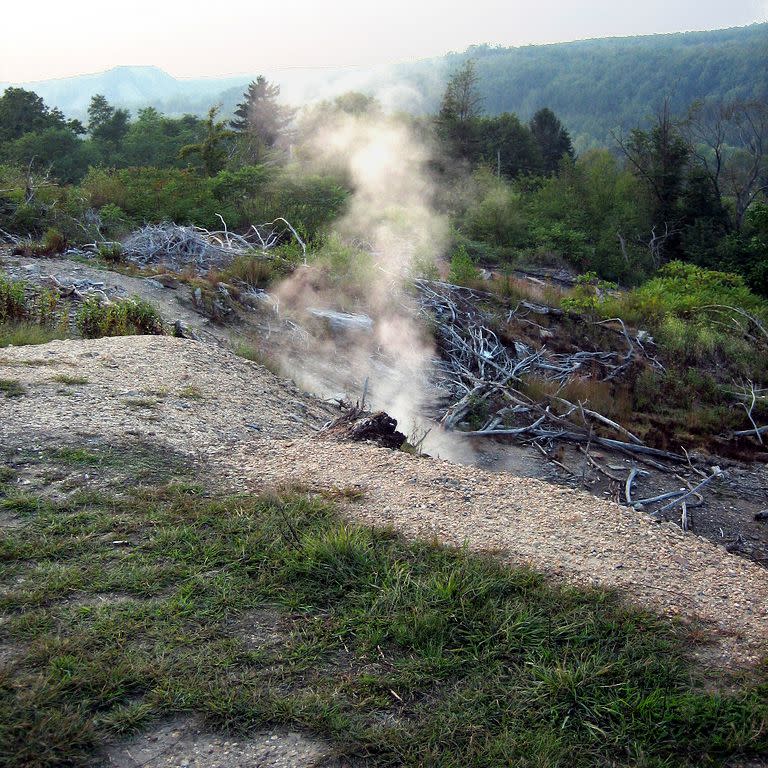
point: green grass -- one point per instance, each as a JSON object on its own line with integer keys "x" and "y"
{"x": 190, "y": 393}
{"x": 399, "y": 653}
{"x": 12, "y": 388}
{"x": 19, "y": 334}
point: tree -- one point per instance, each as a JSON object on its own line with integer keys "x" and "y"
{"x": 730, "y": 144}
{"x": 107, "y": 125}
{"x": 553, "y": 139}
{"x": 259, "y": 119}
{"x": 506, "y": 145}
{"x": 212, "y": 149}
{"x": 659, "y": 157}
{"x": 24, "y": 111}
{"x": 155, "y": 140}
{"x": 55, "y": 150}
{"x": 459, "y": 108}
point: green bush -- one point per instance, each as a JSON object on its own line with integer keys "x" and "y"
{"x": 463, "y": 269}
{"x": 120, "y": 318}
{"x": 497, "y": 218}
{"x": 111, "y": 252}
{"x": 13, "y": 301}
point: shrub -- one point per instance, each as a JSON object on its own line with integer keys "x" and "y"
{"x": 13, "y": 302}
{"x": 255, "y": 271}
{"x": 111, "y": 252}
{"x": 121, "y": 318}
{"x": 463, "y": 269}
{"x": 54, "y": 241}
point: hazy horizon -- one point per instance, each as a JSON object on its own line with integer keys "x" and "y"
{"x": 299, "y": 35}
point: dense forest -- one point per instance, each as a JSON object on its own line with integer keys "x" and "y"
{"x": 598, "y": 86}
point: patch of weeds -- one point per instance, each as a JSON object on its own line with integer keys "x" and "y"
{"x": 343, "y": 493}
{"x": 249, "y": 351}
{"x": 12, "y": 388}
{"x": 190, "y": 393}
{"x": 20, "y": 334}
{"x": 406, "y": 652}
{"x": 65, "y": 378}
{"x": 119, "y": 318}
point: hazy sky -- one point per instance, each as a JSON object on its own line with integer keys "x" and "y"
{"x": 188, "y": 38}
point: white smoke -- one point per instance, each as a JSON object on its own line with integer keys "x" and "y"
{"x": 391, "y": 211}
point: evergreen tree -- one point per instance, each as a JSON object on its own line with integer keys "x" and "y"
{"x": 553, "y": 139}
{"x": 259, "y": 119}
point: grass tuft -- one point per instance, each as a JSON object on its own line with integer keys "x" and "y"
{"x": 12, "y": 388}
{"x": 65, "y": 378}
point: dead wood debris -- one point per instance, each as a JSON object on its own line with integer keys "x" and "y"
{"x": 478, "y": 369}
{"x": 358, "y": 425}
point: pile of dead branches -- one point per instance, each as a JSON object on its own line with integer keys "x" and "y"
{"x": 475, "y": 360}
{"x": 179, "y": 247}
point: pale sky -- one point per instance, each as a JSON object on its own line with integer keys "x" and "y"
{"x": 44, "y": 39}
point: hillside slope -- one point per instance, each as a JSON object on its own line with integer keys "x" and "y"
{"x": 249, "y": 430}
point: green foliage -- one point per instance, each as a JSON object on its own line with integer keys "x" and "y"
{"x": 589, "y": 295}
{"x": 112, "y": 253}
{"x": 552, "y": 138}
{"x": 496, "y": 215}
{"x": 344, "y": 267}
{"x": 28, "y": 317}
{"x": 680, "y": 289}
{"x": 624, "y": 77}
{"x": 212, "y": 148}
{"x": 13, "y": 301}
{"x": 120, "y": 318}
{"x": 153, "y": 195}
{"x": 463, "y": 269}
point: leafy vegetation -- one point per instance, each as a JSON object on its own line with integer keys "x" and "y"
{"x": 119, "y": 318}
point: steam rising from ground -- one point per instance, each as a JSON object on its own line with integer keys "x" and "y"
{"x": 391, "y": 217}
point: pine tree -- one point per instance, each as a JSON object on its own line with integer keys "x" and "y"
{"x": 553, "y": 139}
{"x": 259, "y": 119}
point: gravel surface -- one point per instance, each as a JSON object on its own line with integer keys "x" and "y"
{"x": 185, "y": 744}
{"x": 252, "y": 430}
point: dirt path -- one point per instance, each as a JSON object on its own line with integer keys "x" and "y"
{"x": 254, "y": 430}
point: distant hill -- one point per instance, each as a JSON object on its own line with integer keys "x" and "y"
{"x": 598, "y": 85}
{"x": 595, "y": 86}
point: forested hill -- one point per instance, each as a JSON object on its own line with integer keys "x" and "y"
{"x": 597, "y": 85}
{"x": 594, "y": 85}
